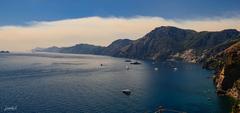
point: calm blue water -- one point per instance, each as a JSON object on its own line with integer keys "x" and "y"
{"x": 60, "y": 83}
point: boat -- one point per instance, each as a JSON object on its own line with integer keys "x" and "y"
{"x": 135, "y": 63}
{"x": 175, "y": 69}
{"x": 127, "y": 67}
{"x": 209, "y": 99}
{"x": 128, "y": 60}
{"x": 126, "y": 91}
{"x": 162, "y": 109}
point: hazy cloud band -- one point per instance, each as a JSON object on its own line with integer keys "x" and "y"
{"x": 97, "y": 30}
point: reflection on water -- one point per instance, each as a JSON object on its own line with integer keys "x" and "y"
{"x": 53, "y": 83}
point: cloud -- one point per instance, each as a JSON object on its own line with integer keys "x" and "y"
{"x": 97, "y": 30}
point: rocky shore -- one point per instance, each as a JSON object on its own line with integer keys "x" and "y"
{"x": 227, "y": 69}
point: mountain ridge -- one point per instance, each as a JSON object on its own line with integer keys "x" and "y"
{"x": 159, "y": 44}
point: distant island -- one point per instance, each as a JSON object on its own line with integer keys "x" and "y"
{"x": 218, "y": 51}
{"x": 4, "y": 52}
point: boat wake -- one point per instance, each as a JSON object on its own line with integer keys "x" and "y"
{"x": 10, "y": 108}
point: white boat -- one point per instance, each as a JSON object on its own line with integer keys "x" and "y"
{"x": 127, "y": 67}
{"x": 175, "y": 69}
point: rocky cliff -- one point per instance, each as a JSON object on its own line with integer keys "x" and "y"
{"x": 227, "y": 67}
{"x": 228, "y": 73}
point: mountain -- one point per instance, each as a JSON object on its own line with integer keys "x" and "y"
{"x": 168, "y": 42}
{"x": 204, "y": 40}
{"x": 82, "y": 49}
{"x": 77, "y": 49}
{"x": 209, "y": 60}
{"x": 162, "y": 43}
{"x": 115, "y": 48}
{"x": 50, "y": 49}
{"x": 112, "y": 50}
{"x": 159, "y": 43}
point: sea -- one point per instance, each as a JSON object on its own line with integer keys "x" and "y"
{"x": 78, "y": 83}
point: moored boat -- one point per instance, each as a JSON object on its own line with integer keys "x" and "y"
{"x": 126, "y": 91}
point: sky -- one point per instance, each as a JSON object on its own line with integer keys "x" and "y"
{"x": 26, "y": 24}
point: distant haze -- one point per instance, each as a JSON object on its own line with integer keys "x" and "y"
{"x": 98, "y": 30}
